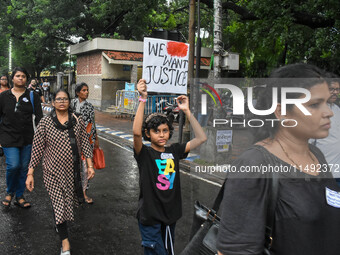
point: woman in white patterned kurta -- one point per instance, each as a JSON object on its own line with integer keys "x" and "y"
{"x": 81, "y": 106}
{"x": 61, "y": 152}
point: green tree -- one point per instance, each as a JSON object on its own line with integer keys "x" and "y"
{"x": 268, "y": 34}
{"x": 41, "y": 30}
{"x": 3, "y": 54}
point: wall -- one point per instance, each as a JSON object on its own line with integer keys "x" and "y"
{"x": 89, "y": 68}
{"x": 114, "y": 71}
{"x": 89, "y": 63}
{"x": 109, "y": 89}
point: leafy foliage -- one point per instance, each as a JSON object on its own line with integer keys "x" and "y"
{"x": 266, "y": 33}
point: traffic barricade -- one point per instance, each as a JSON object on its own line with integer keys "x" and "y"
{"x": 126, "y": 103}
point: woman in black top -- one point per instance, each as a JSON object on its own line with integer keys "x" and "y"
{"x": 307, "y": 214}
{"x": 4, "y": 84}
{"x": 16, "y": 134}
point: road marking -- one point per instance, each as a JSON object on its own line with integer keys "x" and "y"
{"x": 118, "y": 145}
{"x": 126, "y": 136}
{"x": 183, "y": 172}
{"x": 201, "y": 179}
{"x": 118, "y": 133}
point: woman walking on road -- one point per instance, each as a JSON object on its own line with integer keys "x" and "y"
{"x": 16, "y": 134}
{"x": 81, "y": 106}
{"x": 4, "y": 84}
{"x": 61, "y": 138}
{"x": 306, "y": 209}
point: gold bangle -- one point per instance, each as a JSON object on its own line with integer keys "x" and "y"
{"x": 90, "y": 167}
{"x": 29, "y": 174}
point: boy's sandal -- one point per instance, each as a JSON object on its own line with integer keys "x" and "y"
{"x": 23, "y": 204}
{"x": 5, "y": 200}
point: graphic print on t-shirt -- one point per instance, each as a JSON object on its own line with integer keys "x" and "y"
{"x": 166, "y": 171}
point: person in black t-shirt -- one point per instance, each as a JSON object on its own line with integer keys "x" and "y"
{"x": 34, "y": 86}
{"x": 160, "y": 203}
{"x": 16, "y": 134}
{"x": 4, "y": 84}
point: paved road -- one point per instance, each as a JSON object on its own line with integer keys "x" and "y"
{"x": 106, "y": 227}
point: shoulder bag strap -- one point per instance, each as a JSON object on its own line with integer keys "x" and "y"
{"x": 32, "y": 100}
{"x": 274, "y": 190}
{"x": 270, "y": 220}
{"x": 219, "y": 198}
{"x": 75, "y": 116}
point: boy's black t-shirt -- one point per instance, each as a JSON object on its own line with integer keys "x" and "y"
{"x": 160, "y": 199}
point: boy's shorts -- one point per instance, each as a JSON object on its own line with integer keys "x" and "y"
{"x": 153, "y": 238}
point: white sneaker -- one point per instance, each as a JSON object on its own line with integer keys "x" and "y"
{"x": 64, "y": 252}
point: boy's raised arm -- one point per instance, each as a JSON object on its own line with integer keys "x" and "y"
{"x": 200, "y": 136}
{"x": 138, "y": 122}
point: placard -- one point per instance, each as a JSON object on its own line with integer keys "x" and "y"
{"x": 129, "y": 90}
{"x": 165, "y": 66}
{"x": 129, "y": 86}
{"x": 224, "y": 139}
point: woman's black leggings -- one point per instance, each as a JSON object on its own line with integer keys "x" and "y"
{"x": 62, "y": 230}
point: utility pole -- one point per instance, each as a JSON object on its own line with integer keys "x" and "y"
{"x": 198, "y": 44}
{"x": 190, "y": 71}
{"x": 191, "y": 41}
{"x": 10, "y": 55}
{"x": 217, "y": 38}
{"x": 195, "y": 86}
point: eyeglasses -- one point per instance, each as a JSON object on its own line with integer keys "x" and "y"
{"x": 334, "y": 89}
{"x": 61, "y": 99}
{"x": 4, "y": 79}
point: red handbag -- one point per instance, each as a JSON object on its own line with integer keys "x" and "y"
{"x": 98, "y": 158}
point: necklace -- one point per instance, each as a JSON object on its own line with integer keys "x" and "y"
{"x": 296, "y": 165}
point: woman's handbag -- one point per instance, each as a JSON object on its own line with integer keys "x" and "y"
{"x": 205, "y": 224}
{"x": 204, "y": 228}
{"x": 98, "y": 158}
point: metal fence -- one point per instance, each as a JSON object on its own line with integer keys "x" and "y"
{"x": 127, "y": 103}
{"x": 156, "y": 103}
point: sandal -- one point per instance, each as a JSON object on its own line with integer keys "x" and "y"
{"x": 65, "y": 252}
{"x": 89, "y": 200}
{"x": 23, "y": 204}
{"x": 7, "y": 201}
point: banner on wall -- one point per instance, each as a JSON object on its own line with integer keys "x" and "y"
{"x": 165, "y": 66}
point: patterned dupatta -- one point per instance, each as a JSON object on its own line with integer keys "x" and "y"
{"x": 69, "y": 126}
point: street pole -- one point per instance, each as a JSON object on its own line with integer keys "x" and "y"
{"x": 195, "y": 88}
{"x": 10, "y": 55}
{"x": 190, "y": 70}
{"x": 198, "y": 45}
{"x": 217, "y": 38}
{"x": 191, "y": 41}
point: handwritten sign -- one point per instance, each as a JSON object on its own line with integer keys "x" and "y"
{"x": 165, "y": 66}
